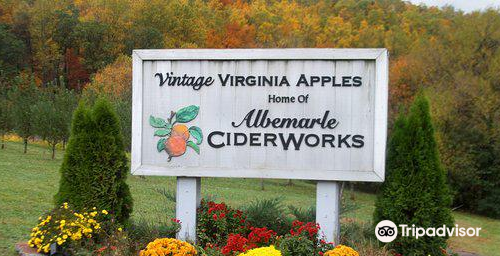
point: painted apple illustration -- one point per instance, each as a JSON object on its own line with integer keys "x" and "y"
{"x": 175, "y": 145}
{"x": 174, "y": 133}
{"x": 180, "y": 130}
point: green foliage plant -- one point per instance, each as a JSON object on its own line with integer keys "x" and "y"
{"x": 269, "y": 213}
{"x": 415, "y": 190}
{"x": 53, "y": 115}
{"x": 6, "y": 124}
{"x": 296, "y": 246}
{"x": 12, "y": 52}
{"x": 216, "y": 221}
{"x": 95, "y": 165}
{"x": 24, "y": 94}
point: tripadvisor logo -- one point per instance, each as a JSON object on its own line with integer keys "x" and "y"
{"x": 386, "y": 231}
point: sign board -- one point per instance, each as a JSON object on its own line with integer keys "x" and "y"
{"x": 316, "y": 114}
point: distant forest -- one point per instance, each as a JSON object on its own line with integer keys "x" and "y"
{"x": 451, "y": 56}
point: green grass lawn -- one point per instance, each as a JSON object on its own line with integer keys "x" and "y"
{"x": 28, "y": 183}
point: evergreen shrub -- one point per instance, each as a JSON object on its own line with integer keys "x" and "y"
{"x": 415, "y": 190}
{"x": 95, "y": 165}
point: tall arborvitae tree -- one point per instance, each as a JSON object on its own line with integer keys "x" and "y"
{"x": 95, "y": 165}
{"x": 415, "y": 190}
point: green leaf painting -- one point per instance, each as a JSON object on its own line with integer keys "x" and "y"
{"x": 157, "y": 122}
{"x": 195, "y": 131}
{"x": 162, "y": 132}
{"x": 174, "y": 134}
{"x": 187, "y": 114}
{"x": 193, "y": 146}
{"x": 161, "y": 144}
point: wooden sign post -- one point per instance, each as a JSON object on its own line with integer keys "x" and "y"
{"x": 328, "y": 209}
{"x": 314, "y": 114}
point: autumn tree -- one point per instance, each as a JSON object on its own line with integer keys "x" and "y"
{"x": 464, "y": 87}
{"x": 141, "y": 37}
{"x": 73, "y": 72}
{"x": 336, "y": 34}
{"x": 47, "y": 54}
{"x": 76, "y": 73}
{"x": 233, "y": 29}
{"x": 94, "y": 41}
{"x": 115, "y": 82}
{"x": 20, "y": 28}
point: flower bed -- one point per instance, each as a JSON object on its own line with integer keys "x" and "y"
{"x": 174, "y": 247}
{"x": 222, "y": 231}
{"x": 64, "y": 225}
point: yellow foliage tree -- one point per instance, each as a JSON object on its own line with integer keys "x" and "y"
{"x": 115, "y": 80}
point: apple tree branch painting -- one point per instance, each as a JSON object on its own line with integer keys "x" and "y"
{"x": 175, "y": 136}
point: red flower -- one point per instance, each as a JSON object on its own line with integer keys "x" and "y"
{"x": 102, "y": 249}
{"x": 297, "y": 223}
{"x": 216, "y": 207}
{"x": 235, "y": 243}
{"x": 260, "y": 235}
{"x": 309, "y": 229}
{"x": 214, "y": 216}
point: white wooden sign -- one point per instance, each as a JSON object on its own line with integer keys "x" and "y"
{"x": 317, "y": 114}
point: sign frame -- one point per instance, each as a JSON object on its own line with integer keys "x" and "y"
{"x": 378, "y": 55}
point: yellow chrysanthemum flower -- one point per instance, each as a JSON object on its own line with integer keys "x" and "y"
{"x": 262, "y": 251}
{"x": 63, "y": 224}
{"x": 168, "y": 246}
{"x": 342, "y": 250}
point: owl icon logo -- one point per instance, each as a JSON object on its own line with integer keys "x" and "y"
{"x": 386, "y": 231}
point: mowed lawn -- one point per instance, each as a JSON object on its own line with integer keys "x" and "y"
{"x": 29, "y": 182}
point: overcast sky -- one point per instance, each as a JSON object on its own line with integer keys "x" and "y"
{"x": 464, "y": 5}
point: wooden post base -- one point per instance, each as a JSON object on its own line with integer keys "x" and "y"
{"x": 328, "y": 210}
{"x": 188, "y": 198}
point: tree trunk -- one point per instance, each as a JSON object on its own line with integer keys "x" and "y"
{"x": 290, "y": 182}
{"x": 3, "y": 141}
{"x": 262, "y": 184}
{"x": 25, "y": 141}
{"x": 64, "y": 144}
{"x": 53, "y": 151}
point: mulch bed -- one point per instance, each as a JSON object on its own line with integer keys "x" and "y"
{"x": 25, "y": 250}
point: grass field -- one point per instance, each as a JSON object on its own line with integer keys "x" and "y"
{"x": 28, "y": 183}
